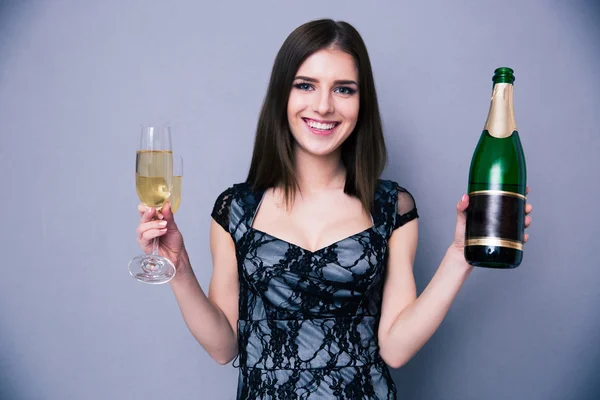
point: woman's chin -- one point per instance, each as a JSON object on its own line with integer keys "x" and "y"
{"x": 318, "y": 151}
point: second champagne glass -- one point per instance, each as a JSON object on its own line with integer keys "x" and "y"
{"x": 175, "y": 198}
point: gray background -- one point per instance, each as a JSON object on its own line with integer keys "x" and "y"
{"x": 77, "y": 78}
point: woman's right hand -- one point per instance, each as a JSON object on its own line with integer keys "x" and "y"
{"x": 160, "y": 225}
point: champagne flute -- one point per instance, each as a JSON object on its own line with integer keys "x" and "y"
{"x": 153, "y": 182}
{"x": 175, "y": 198}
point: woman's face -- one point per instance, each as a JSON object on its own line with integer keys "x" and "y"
{"x": 324, "y": 101}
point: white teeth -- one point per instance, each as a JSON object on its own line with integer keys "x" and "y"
{"x": 320, "y": 126}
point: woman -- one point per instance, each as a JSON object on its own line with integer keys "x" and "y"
{"x": 312, "y": 284}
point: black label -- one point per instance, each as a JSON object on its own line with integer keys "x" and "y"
{"x": 499, "y": 215}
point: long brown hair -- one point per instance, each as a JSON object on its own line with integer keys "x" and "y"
{"x": 364, "y": 153}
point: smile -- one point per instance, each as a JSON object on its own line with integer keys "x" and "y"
{"x": 321, "y": 127}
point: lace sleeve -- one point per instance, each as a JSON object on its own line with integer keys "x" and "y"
{"x": 220, "y": 212}
{"x": 406, "y": 208}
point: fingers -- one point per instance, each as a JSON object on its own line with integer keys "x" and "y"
{"x": 152, "y": 233}
{"x": 463, "y": 204}
{"x": 526, "y": 190}
{"x": 147, "y": 215}
{"x": 152, "y": 229}
{"x": 166, "y": 211}
{"x": 528, "y": 209}
{"x": 527, "y": 223}
{"x": 142, "y": 209}
{"x": 168, "y": 215}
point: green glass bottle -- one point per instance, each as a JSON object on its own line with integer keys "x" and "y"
{"x": 497, "y": 180}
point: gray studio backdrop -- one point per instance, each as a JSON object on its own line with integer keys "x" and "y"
{"x": 77, "y": 78}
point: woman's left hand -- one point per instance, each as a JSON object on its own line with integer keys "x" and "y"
{"x": 461, "y": 221}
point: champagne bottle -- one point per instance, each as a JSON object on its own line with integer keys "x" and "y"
{"x": 497, "y": 180}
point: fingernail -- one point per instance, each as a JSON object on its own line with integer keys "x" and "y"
{"x": 162, "y": 223}
{"x": 464, "y": 198}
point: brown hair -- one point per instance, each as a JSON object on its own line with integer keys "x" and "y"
{"x": 363, "y": 152}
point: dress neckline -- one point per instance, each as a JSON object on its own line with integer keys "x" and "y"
{"x": 259, "y": 196}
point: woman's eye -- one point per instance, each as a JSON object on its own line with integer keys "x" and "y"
{"x": 303, "y": 86}
{"x": 345, "y": 90}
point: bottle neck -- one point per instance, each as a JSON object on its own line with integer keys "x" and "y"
{"x": 501, "y": 118}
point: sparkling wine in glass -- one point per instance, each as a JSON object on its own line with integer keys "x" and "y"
{"x": 153, "y": 182}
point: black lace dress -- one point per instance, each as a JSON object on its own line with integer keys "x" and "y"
{"x": 308, "y": 320}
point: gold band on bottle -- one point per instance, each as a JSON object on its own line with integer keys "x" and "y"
{"x": 498, "y": 192}
{"x": 493, "y": 241}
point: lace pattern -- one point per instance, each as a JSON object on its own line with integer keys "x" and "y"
{"x": 308, "y": 321}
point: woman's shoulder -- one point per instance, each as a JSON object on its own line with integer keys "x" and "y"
{"x": 235, "y": 188}
{"x": 400, "y": 199}
{"x": 239, "y": 193}
{"x": 392, "y": 187}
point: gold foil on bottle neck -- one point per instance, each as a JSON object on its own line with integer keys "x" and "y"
{"x": 501, "y": 118}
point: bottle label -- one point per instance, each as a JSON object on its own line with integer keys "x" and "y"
{"x": 495, "y": 218}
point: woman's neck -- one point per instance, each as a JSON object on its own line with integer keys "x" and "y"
{"x": 317, "y": 173}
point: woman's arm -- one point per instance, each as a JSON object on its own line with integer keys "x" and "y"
{"x": 408, "y": 322}
{"x": 211, "y": 319}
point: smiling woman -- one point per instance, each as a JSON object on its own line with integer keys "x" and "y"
{"x": 322, "y": 74}
{"x": 312, "y": 287}
{"x": 322, "y": 108}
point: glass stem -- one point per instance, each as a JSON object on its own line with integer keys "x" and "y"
{"x": 155, "y": 246}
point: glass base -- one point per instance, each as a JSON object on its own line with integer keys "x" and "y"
{"x": 152, "y": 269}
